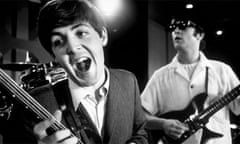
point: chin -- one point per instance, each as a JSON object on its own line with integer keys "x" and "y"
{"x": 84, "y": 83}
{"x": 178, "y": 47}
{"x": 86, "y": 80}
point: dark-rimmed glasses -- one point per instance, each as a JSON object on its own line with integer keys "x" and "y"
{"x": 181, "y": 24}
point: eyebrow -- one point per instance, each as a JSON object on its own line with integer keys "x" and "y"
{"x": 72, "y": 28}
{"x": 55, "y": 33}
{"x": 79, "y": 24}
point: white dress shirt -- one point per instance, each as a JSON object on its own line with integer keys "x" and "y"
{"x": 92, "y": 99}
{"x": 170, "y": 89}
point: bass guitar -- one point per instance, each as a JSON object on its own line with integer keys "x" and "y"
{"x": 7, "y": 84}
{"x": 195, "y": 117}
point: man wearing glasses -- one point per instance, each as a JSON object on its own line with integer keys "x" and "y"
{"x": 189, "y": 80}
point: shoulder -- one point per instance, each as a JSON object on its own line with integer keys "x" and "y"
{"x": 223, "y": 71}
{"x": 220, "y": 66}
{"x": 218, "y": 63}
{"x": 163, "y": 71}
{"x": 121, "y": 74}
{"x": 123, "y": 79}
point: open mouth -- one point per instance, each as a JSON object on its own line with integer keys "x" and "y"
{"x": 84, "y": 64}
{"x": 178, "y": 38}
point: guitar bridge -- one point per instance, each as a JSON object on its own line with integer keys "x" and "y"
{"x": 194, "y": 125}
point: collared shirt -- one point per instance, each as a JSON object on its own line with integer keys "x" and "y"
{"x": 170, "y": 88}
{"x": 93, "y": 100}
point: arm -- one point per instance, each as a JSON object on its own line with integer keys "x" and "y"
{"x": 231, "y": 81}
{"x": 171, "y": 127}
{"x": 153, "y": 101}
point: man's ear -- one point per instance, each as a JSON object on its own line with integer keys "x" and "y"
{"x": 104, "y": 36}
{"x": 199, "y": 36}
{"x": 202, "y": 35}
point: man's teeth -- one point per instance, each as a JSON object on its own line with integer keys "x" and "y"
{"x": 82, "y": 59}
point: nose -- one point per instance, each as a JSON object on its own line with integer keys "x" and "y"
{"x": 73, "y": 44}
{"x": 177, "y": 30}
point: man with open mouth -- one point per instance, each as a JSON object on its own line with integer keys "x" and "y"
{"x": 97, "y": 104}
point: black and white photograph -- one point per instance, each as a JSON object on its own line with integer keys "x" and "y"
{"x": 119, "y": 72}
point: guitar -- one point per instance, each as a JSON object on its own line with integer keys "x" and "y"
{"x": 7, "y": 84}
{"x": 195, "y": 120}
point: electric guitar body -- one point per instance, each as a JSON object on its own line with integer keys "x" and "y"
{"x": 195, "y": 117}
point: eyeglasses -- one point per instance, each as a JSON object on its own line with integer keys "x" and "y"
{"x": 181, "y": 24}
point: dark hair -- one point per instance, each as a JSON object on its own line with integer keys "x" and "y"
{"x": 58, "y": 13}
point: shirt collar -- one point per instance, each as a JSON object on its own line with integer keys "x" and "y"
{"x": 79, "y": 93}
{"x": 203, "y": 62}
{"x": 103, "y": 90}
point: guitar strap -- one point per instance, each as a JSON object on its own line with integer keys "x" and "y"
{"x": 204, "y": 134}
{"x": 196, "y": 105}
{"x": 70, "y": 117}
{"x": 206, "y": 81}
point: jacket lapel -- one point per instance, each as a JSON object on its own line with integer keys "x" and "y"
{"x": 63, "y": 97}
{"x": 113, "y": 109}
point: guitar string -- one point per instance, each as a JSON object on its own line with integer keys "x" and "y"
{"x": 225, "y": 100}
{"x": 34, "y": 106}
{"x": 20, "y": 93}
{"x": 221, "y": 102}
{"x": 56, "y": 125}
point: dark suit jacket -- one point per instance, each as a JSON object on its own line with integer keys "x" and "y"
{"x": 124, "y": 119}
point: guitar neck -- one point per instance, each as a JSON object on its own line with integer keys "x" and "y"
{"x": 29, "y": 102}
{"x": 213, "y": 108}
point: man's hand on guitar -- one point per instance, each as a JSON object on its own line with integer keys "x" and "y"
{"x": 59, "y": 137}
{"x": 174, "y": 128}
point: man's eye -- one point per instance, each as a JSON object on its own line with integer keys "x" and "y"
{"x": 57, "y": 43}
{"x": 81, "y": 34}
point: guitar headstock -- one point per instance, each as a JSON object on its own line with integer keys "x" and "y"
{"x": 42, "y": 74}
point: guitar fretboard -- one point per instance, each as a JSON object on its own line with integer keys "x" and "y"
{"x": 28, "y": 101}
{"x": 213, "y": 108}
